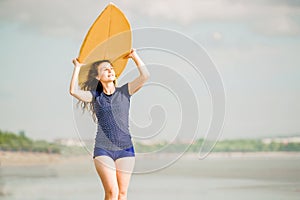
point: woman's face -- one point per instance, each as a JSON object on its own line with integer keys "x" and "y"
{"x": 106, "y": 72}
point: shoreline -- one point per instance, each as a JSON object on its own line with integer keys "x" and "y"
{"x": 9, "y": 158}
{"x": 246, "y": 155}
{"x": 15, "y": 158}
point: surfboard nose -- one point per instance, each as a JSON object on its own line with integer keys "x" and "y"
{"x": 109, "y": 38}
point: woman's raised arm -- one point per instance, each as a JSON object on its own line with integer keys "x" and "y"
{"x": 137, "y": 83}
{"x": 75, "y": 91}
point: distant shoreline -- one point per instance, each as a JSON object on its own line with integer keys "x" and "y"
{"x": 261, "y": 154}
{"x": 9, "y": 158}
{"x": 15, "y": 158}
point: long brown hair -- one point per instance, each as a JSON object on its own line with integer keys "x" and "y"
{"x": 92, "y": 84}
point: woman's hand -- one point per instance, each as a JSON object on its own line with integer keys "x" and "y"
{"x": 132, "y": 54}
{"x": 77, "y": 63}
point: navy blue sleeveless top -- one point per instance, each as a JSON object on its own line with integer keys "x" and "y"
{"x": 112, "y": 112}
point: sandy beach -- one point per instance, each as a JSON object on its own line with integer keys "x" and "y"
{"x": 260, "y": 175}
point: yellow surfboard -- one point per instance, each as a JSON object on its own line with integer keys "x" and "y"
{"x": 108, "y": 38}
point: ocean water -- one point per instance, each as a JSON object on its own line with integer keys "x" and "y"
{"x": 266, "y": 178}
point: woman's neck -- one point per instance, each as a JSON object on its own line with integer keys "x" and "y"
{"x": 108, "y": 88}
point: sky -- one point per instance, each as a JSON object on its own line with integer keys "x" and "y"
{"x": 254, "y": 45}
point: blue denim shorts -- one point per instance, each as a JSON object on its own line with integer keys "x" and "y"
{"x": 114, "y": 154}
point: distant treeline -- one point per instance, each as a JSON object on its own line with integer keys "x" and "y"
{"x": 247, "y": 145}
{"x": 19, "y": 142}
{"x": 241, "y": 145}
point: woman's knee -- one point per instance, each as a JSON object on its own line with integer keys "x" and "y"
{"x": 122, "y": 195}
{"x": 112, "y": 193}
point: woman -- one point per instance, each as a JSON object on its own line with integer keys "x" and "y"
{"x": 114, "y": 155}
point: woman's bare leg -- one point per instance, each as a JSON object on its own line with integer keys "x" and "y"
{"x": 124, "y": 168}
{"x": 106, "y": 170}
